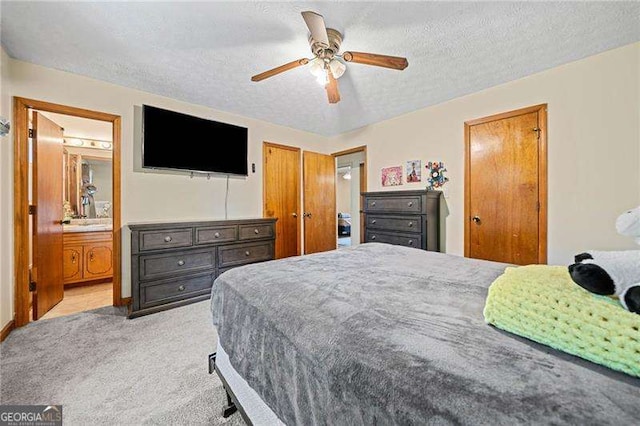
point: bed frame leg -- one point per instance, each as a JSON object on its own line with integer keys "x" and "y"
{"x": 230, "y": 408}
{"x": 212, "y": 362}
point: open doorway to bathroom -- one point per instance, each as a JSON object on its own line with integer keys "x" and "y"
{"x": 67, "y": 172}
{"x": 86, "y": 183}
{"x": 350, "y": 183}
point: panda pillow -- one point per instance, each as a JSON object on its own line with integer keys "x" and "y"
{"x": 628, "y": 224}
{"x": 610, "y": 273}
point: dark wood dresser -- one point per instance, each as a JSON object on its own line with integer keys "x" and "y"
{"x": 175, "y": 263}
{"x": 407, "y": 218}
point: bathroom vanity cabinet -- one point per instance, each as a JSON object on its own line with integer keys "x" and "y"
{"x": 87, "y": 256}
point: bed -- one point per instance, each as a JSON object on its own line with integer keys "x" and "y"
{"x": 389, "y": 335}
{"x": 344, "y": 224}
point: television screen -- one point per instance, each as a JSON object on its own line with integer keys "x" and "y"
{"x": 176, "y": 141}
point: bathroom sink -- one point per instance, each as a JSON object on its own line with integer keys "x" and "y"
{"x": 88, "y": 225}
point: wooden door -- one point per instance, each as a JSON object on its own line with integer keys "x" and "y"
{"x": 320, "y": 216}
{"x": 281, "y": 194}
{"x": 47, "y": 229}
{"x": 506, "y": 187}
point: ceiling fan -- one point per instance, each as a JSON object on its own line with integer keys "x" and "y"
{"x": 326, "y": 65}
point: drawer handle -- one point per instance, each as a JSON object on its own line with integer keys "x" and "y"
{"x": 247, "y": 253}
{"x": 256, "y": 231}
{"x": 91, "y": 256}
{"x": 167, "y": 239}
{"x": 373, "y": 237}
{"x": 373, "y": 222}
{"x": 181, "y": 288}
{"x": 373, "y": 203}
{"x": 180, "y": 262}
{"x": 410, "y": 203}
{"x": 216, "y": 235}
{"x": 73, "y": 258}
{"x": 410, "y": 224}
{"x": 410, "y": 242}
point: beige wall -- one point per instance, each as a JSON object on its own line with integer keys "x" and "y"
{"x": 145, "y": 196}
{"x": 343, "y": 193}
{"x": 594, "y": 147}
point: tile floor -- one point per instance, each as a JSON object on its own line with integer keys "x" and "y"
{"x": 78, "y": 299}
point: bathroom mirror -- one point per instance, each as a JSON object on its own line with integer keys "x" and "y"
{"x": 88, "y": 184}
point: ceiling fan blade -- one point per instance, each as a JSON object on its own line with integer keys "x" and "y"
{"x": 393, "y": 62}
{"x": 332, "y": 89}
{"x": 317, "y": 28}
{"x": 282, "y": 68}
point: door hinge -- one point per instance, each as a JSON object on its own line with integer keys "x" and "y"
{"x": 537, "y": 130}
{"x": 32, "y": 133}
{"x": 538, "y": 206}
{"x": 32, "y": 286}
{"x": 32, "y": 209}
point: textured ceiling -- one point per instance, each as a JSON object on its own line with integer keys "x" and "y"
{"x": 206, "y": 53}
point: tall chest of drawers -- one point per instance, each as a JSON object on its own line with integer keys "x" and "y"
{"x": 407, "y": 218}
{"x": 173, "y": 264}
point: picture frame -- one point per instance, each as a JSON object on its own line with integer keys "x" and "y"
{"x": 414, "y": 171}
{"x": 391, "y": 176}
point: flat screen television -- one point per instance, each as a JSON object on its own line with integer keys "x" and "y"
{"x": 176, "y": 141}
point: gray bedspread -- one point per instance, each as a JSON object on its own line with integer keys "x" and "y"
{"x": 386, "y": 335}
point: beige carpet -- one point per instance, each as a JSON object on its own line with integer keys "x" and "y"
{"x": 108, "y": 370}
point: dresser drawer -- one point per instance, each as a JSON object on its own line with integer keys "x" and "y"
{"x": 241, "y": 254}
{"x": 251, "y": 232}
{"x": 398, "y": 203}
{"x": 160, "y": 292}
{"x": 182, "y": 262}
{"x": 166, "y": 238}
{"x": 395, "y": 223}
{"x": 216, "y": 234}
{"x": 406, "y": 240}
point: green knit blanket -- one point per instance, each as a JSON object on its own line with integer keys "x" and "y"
{"x": 543, "y": 304}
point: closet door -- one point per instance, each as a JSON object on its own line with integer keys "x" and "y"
{"x": 320, "y": 216}
{"x": 506, "y": 187}
{"x": 282, "y": 196}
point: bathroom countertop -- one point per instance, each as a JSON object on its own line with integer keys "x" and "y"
{"x": 87, "y": 228}
{"x": 89, "y": 225}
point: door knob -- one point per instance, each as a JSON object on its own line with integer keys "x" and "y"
{"x": 295, "y": 214}
{"x": 476, "y": 219}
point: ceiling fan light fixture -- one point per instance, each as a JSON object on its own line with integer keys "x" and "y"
{"x": 328, "y": 64}
{"x": 337, "y": 68}
{"x": 323, "y": 78}
{"x": 316, "y": 67}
